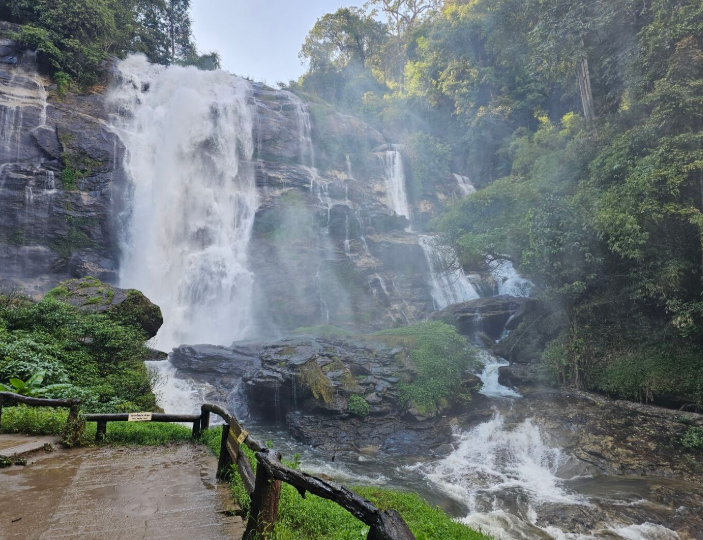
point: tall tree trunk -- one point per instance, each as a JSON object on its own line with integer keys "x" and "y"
{"x": 584, "y": 78}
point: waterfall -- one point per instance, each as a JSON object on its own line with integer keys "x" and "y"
{"x": 508, "y": 280}
{"x": 489, "y": 376}
{"x": 396, "y": 191}
{"x": 465, "y": 185}
{"x": 189, "y": 136}
{"x": 302, "y": 115}
{"x": 448, "y": 281}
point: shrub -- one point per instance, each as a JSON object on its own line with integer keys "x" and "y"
{"x": 102, "y": 358}
{"x": 359, "y": 406}
{"x": 441, "y": 356}
{"x": 693, "y": 439}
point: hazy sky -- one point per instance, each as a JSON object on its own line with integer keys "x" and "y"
{"x": 260, "y": 39}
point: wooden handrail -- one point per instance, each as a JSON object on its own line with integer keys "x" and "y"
{"x": 264, "y": 487}
{"x": 72, "y": 404}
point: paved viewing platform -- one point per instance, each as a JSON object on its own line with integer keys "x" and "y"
{"x": 115, "y": 493}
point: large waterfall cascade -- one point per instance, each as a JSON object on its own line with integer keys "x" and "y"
{"x": 188, "y": 134}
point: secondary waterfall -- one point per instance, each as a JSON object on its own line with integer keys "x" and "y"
{"x": 447, "y": 279}
{"x": 508, "y": 281}
{"x": 396, "y": 190}
{"x": 465, "y": 185}
{"x": 189, "y": 138}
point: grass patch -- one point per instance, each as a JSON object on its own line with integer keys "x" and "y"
{"x": 359, "y": 406}
{"x": 314, "y": 518}
{"x": 48, "y": 421}
{"x": 441, "y": 357}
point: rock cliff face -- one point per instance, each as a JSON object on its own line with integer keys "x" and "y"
{"x": 59, "y": 172}
{"x": 326, "y": 249}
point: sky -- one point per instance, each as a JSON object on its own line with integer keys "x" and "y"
{"x": 259, "y": 39}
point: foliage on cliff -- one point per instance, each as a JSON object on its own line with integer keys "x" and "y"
{"x": 441, "y": 356}
{"x": 101, "y": 357}
{"x": 583, "y": 121}
{"x": 74, "y": 37}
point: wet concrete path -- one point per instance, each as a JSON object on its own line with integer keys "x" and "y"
{"x": 140, "y": 493}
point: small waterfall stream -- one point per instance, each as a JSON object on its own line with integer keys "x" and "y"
{"x": 448, "y": 281}
{"x": 396, "y": 189}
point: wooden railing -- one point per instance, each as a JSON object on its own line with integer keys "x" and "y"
{"x": 264, "y": 486}
{"x": 73, "y": 405}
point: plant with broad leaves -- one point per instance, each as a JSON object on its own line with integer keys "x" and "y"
{"x": 32, "y": 387}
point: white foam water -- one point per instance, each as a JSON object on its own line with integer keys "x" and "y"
{"x": 489, "y": 376}
{"x": 189, "y": 136}
{"x": 508, "y": 280}
{"x": 448, "y": 282}
{"x": 396, "y": 189}
{"x": 465, "y": 185}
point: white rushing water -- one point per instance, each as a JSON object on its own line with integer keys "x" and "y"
{"x": 448, "y": 281}
{"x": 465, "y": 185}
{"x": 188, "y": 134}
{"x": 396, "y": 189}
{"x": 508, "y": 280}
{"x": 489, "y": 376}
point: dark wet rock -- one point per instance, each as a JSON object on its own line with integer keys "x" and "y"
{"x": 307, "y": 382}
{"x": 238, "y": 360}
{"x": 54, "y": 226}
{"x": 128, "y": 306}
{"x": 535, "y": 324}
{"x": 518, "y": 375}
{"x": 617, "y": 437}
{"x": 485, "y": 315}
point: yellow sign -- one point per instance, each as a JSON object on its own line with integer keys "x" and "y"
{"x": 232, "y": 445}
{"x": 139, "y": 417}
{"x": 243, "y": 436}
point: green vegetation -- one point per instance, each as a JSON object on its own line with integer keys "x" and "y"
{"x": 583, "y": 122}
{"x": 359, "y": 406}
{"x": 47, "y": 421}
{"x": 33, "y": 386}
{"x": 693, "y": 439}
{"x": 88, "y": 355}
{"x": 314, "y": 518}
{"x": 74, "y": 37}
{"x": 441, "y": 357}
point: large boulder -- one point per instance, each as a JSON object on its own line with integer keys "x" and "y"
{"x": 342, "y": 395}
{"x": 127, "y": 306}
{"x": 490, "y": 316}
{"x": 538, "y": 323}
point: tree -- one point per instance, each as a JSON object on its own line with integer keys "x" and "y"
{"x": 342, "y": 38}
{"x": 179, "y": 30}
{"x": 403, "y": 15}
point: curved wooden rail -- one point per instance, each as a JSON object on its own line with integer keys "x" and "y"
{"x": 264, "y": 486}
{"x": 71, "y": 404}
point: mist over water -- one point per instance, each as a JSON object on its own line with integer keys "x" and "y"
{"x": 189, "y": 138}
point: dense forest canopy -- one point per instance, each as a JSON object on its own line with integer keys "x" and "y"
{"x": 583, "y": 123}
{"x": 74, "y": 37}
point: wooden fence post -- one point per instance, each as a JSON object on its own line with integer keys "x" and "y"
{"x": 205, "y": 420}
{"x": 196, "y": 429}
{"x": 264, "y": 504}
{"x": 101, "y": 431}
{"x": 225, "y": 461}
{"x": 390, "y": 526}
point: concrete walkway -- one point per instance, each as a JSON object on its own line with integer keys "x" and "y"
{"x": 117, "y": 494}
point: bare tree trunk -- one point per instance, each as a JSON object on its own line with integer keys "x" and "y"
{"x": 584, "y": 78}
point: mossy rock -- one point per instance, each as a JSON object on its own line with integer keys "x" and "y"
{"x": 126, "y": 306}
